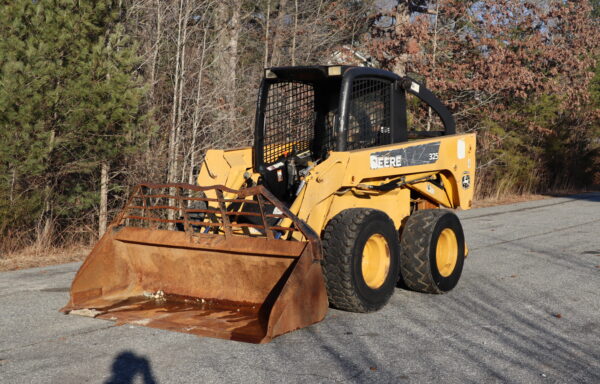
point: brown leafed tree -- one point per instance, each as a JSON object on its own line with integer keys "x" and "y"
{"x": 514, "y": 70}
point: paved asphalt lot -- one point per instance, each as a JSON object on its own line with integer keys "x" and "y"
{"x": 527, "y": 310}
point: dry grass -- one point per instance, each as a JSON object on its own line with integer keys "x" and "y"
{"x": 519, "y": 198}
{"x": 35, "y": 257}
{"x": 508, "y": 199}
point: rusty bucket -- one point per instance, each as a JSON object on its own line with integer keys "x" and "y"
{"x": 209, "y": 261}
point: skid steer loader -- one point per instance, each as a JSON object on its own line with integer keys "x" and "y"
{"x": 336, "y": 202}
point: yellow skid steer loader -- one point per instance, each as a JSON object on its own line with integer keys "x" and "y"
{"x": 335, "y": 203}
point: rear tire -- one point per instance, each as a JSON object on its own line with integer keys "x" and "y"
{"x": 361, "y": 259}
{"x": 433, "y": 251}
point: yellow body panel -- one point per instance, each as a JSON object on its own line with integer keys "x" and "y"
{"x": 456, "y": 158}
{"x": 389, "y": 202}
{"x": 225, "y": 168}
{"x": 444, "y": 177}
{"x": 433, "y": 192}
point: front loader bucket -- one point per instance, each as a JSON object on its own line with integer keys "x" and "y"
{"x": 204, "y": 269}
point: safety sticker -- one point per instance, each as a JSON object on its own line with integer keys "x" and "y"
{"x": 466, "y": 181}
{"x": 460, "y": 149}
{"x": 275, "y": 166}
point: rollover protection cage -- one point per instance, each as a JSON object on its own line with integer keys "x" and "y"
{"x": 339, "y": 108}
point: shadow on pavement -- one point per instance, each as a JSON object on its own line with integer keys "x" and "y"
{"x": 127, "y": 366}
{"x": 485, "y": 331}
{"x": 593, "y": 196}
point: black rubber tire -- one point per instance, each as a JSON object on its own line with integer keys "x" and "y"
{"x": 344, "y": 239}
{"x": 419, "y": 238}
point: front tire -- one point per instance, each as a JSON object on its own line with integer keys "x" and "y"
{"x": 433, "y": 251}
{"x": 360, "y": 265}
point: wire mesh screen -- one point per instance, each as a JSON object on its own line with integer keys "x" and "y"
{"x": 369, "y": 120}
{"x": 289, "y": 119}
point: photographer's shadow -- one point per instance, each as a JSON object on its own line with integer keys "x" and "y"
{"x": 127, "y": 366}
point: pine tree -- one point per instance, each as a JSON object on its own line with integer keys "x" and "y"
{"x": 69, "y": 102}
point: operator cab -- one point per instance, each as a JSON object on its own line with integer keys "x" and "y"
{"x": 305, "y": 112}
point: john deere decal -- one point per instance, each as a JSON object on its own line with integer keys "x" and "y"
{"x": 406, "y": 157}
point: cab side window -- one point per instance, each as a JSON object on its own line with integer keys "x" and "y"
{"x": 369, "y": 118}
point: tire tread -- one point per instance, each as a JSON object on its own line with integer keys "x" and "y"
{"x": 415, "y": 266}
{"x": 338, "y": 242}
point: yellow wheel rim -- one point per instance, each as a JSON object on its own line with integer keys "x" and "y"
{"x": 446, "y": 252}
{"x": 375, "y": 261}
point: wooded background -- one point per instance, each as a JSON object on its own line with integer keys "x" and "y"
{"x": 96, "y": 96}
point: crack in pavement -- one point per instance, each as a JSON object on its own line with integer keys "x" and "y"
{"x": 316, "y": 375}
{"x": 538, "y": 234}
{"x": 517, "y": 210}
